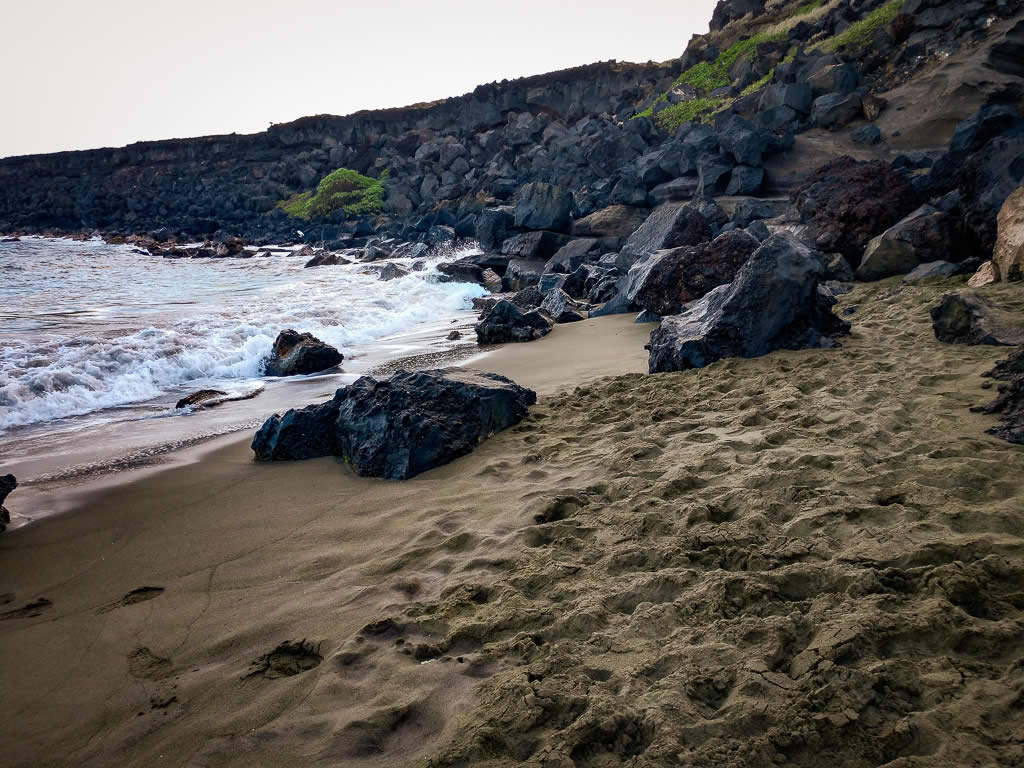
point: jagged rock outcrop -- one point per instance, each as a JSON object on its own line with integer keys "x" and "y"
{"x": 297, "y": 353}
{"x": 507, "y": 322}
{"x": 398, "y": 427}
{"x": 846, "y": 203}
{"x": 667, "y": 280}
{"x": 774, "y": 303}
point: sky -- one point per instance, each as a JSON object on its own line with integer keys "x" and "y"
{"x": 79, "y": 75}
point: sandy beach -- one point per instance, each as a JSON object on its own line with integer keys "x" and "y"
{"x": 811, "y": 558}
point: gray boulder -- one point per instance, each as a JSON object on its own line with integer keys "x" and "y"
{"x": 543, "y": 206}
{"x": 669, "y": 226}
{"x": 571, "y": 255}
{"x": 297, "y": 353}
{"x": 745, "y": 180}
{"x": 522, "y": 273}
{"x": 534, "y": 245}
{"x": 932, "y": 270}
{"x": 613, "y": 221}
{"x": 399, "y": 427}
{"x": 834, "y": 110}
{"x": 927, "y": 234}
{"x": 774, "y": 303}
{"x": 506, "y": 322}
{"x": 560, "y": 306}
{"x": 493, "y": 227}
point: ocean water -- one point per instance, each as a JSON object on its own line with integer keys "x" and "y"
{"x": 92, "y": 333}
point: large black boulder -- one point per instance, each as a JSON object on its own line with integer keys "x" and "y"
{"x": 399, "y": 427}
{"x": 774, "y": 303}
{"x": 667, "y": 280}
{"x": 543, "y": 206}
{"x": 297, "y": 353}
{"x": 507, "y": 322}
{"x": 671, "y": 225}
{"x": 7, "y": 484}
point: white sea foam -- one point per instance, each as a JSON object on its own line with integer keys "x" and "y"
{"x": 201, "y": 324}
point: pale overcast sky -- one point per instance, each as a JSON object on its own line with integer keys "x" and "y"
{"x": 83, "y": 74}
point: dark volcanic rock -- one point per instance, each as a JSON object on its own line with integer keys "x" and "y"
{"x": 966, "y": 318}
{"x": 669, "y": 226}
{"x": 614, "y": 221}
{"x": 297, "y": 353}
{"x": 399, "y": 427}
{"x": 327, "y": 259}
{"x": 389, "y": 271}
{"x": 560, "y": 306}
{"x": 202, "y": 396}
{"x": 1010, "y": 401}
{"x": 774, "y": 303}
{"x": 522, "y": 273}
{"x": 506, "y": 322}
{"x": 987, "y": 178}
{"x": 534, "y": 245}
{"x": 7, "y": 484}
{"x": 926, "y": 235}
{"x": 543, "y": 206}
{"x": 493, "y": 227}
{"x": 846, "y": 203}
{"x": 666, "y": 280}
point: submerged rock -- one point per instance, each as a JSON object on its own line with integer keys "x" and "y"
{"x": 202, "y": 396}
{"x": 774, "y": 303}
{"x": 297, "y": 353}
{"x": 399, "y": 427}
{"x": 507, "y": 322}
{"x": 7, "y": 484}
{"x": 967, "y": 318}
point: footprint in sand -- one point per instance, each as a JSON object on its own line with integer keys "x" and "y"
{"x": 35, "y": 608}
{"x": 137, "y": 595}
{"x": 146, "y": 665}
{"x": 287, "y": 660}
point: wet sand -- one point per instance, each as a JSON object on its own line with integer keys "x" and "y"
{"x": 812, "y": 558}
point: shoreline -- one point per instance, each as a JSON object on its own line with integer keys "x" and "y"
{"x": 723, "y": 524}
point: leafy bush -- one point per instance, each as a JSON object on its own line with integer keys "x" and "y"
{"x": 859, "y": 34}
{"x": 345, "y": 190}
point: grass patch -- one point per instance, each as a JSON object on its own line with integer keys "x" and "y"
{"x": 757, "y": 86}
{"x": 803, "y": 10}
{"x": 708, "y": 75}
{"x": 672, "y": 117}
{"x": 859, "y": 34}
{"x": 343, "y": 190}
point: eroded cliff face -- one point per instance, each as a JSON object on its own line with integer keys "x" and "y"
{"x": 233, "y": 182}
{"x": 773, "y": 91}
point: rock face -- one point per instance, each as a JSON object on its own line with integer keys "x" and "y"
{"x": 666, "y": 280}
{"x": 846, "y": 203}
{"x": 926, "y": 235}
{"x": 543, "y": 206}
{"x": 774, "y": 303}
{"x": 7, "y": 484}
{"x": 613, "y": 221}
{"x": 399, "y": 427}
{"x": 297, "y": 353}
{"x": 1010, "y": 401}
{"x": 669, "y": 226}
{"x": 1009, "y": 251}
{"x": 506, "y": 322}
{"x": 966, "y": 318}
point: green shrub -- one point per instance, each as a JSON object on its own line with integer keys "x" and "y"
{"x": 343, "y": 190}
{"x": 859, "y": 34}
{"x": 715, "y": 74}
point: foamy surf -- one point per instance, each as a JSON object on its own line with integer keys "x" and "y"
{"x": 119, "y": 328}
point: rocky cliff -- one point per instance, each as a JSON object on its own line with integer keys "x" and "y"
{"x": 773, "y": 91}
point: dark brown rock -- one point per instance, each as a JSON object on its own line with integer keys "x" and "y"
{"x": 297, "y": 353}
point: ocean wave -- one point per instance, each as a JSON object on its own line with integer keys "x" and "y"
{"x": 72, "y": 371}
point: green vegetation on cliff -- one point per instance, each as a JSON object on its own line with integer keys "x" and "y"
{"x": 859, "y": 34}
{"x": 343, "y": 190}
